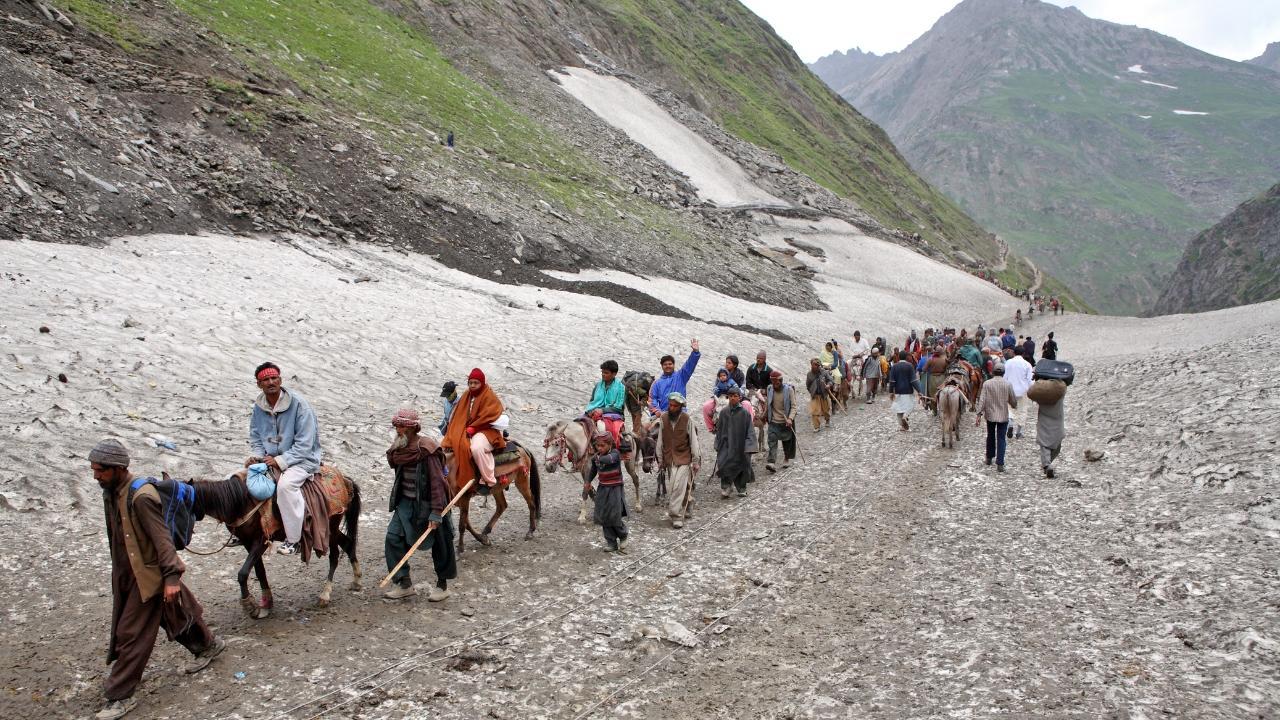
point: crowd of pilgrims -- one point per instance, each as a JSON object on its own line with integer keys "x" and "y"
{"x": 747, "y": 408}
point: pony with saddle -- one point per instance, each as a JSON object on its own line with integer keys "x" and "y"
{"x": 331, "y": 499}
{"x": 568, "y": 445}
{"x": 513, "y": 465}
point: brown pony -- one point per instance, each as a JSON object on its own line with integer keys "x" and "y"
{"x": 229, "y": 502}
{"x": 524, "y": 477}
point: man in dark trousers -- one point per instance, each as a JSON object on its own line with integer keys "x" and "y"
{"x": 419, "y": 495}
{"x": 732, "y": 463}
{"x": 1050, "y": 348}
{"x": 146, "y": 582}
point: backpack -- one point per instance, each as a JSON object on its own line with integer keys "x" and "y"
{"x": 177, "y": 500}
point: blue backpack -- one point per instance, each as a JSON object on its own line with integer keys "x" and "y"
{"x": 177, "y": 501}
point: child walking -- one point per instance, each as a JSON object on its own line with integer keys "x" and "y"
{"x": 611, "y": 496}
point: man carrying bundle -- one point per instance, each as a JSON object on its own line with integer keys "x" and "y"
{"x": 147, "y": 592}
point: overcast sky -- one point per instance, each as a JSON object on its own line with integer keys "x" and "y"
{"x": 1236, "y": 29}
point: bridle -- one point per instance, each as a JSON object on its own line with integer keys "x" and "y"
{"x": 562, "y": 452}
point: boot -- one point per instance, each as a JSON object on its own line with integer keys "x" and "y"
{"x": 206, "y": 656}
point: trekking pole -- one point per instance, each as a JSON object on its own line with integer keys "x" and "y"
{"x": 413, "y": 549}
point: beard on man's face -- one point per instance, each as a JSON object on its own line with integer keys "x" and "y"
{"x": 400, "y": 441}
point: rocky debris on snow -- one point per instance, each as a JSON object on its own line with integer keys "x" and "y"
{"x": 1094, "y": 455}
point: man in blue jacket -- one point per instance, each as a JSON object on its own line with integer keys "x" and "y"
{"x": 672, "y": 381}
{"x": 284, "y": 435}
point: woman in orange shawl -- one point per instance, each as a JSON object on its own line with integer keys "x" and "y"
{"x": 471, "y": 435}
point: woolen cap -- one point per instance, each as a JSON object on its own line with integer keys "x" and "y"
{"x": 109, "y": 453}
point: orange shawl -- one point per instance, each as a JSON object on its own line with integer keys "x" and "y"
{"x": 480, "y": 412}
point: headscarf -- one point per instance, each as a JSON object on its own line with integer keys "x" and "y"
{"x": 476, "y": 374}
{"x": 405, "y": 418}
{"x": 266, "y": 372}
{"x": 109, "y": 453}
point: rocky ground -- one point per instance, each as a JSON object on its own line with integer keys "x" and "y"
{"x": 880, "y": 576}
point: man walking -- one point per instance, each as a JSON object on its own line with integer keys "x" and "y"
{"x": 781, "y": 408}
{"x": 993, "y": 404}
{"x": 283, "y": 434}
{"x": 732, "y": 430}
{"x": 819, "y": 383}
{"x": 904, "y": 383}
{"x": 419, "y": 495}
{"x": 871, "y": 373}
{"x": 147, "y": 592}
{"x": 1049, "y": 350}
{"x": 1051, "y": 430}
{"x": 680, "y": 457}
{"x": 1017, "y": 372}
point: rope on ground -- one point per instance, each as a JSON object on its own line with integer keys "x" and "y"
{"x": 702, "y": 631}
{"x": 415, "y": 661}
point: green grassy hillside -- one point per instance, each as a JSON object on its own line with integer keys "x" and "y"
{"x": 755, "y": 86}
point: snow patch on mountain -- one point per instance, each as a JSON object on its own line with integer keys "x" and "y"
{"x": 1189, "y": 112}
{"x": 1148, "y": 82}
{"x": 1137, "y": 69}
{"x": 716, "y": 176}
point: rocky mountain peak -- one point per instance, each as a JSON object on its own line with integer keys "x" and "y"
{"x": 1269, "y": 59}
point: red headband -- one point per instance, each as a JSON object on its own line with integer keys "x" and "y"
{"x": 265, "y": 373}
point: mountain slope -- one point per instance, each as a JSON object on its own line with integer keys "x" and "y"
{"x": 1235, "y": 262}
{"x": 1269, "y": 59}
{"x": 847, "y": 71}
{"x": 338, "y": 109}
{"x": 1094, "y": 148}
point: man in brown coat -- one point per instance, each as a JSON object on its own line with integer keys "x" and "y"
{"x": 994, "y": 401}
{"x": 146, "y": 582}
{"x": 680, "y": 456}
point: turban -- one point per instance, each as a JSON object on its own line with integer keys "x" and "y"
{"x": 676, "y": 397}
{"x": 476, "y": 374}
{"x": 109, "y": 453}
{"x": 267, "y": 372}
{"x": 405, "y": 418}
{"x": 775, "y": 374}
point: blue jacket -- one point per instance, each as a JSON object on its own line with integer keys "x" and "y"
{"x": 448, "y": 413}
{"x": 675, "y": 382}
{"x": 288, "y": 433}
{"x": 1008, "y": 341}
{"x": 723, "y": 387}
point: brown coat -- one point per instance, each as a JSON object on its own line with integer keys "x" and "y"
{"x": 677, "y": 442}
{"x": 142, "y": 553}
{"x": 479, "y": 410}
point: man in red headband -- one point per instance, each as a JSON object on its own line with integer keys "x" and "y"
{"x": 471, "y": 435}
{"x": 283, "y": 434}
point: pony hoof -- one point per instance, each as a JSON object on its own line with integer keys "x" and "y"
{"x": 322, "y": 602}
{"x": 485, "y": 541}
{"x": 528, "y": 535}
{"x": 249, "y": 605}
{"x": 261, "y": 613}
{"x": 355, "y": 586}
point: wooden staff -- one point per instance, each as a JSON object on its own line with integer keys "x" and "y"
{"x": 413, "y": 549}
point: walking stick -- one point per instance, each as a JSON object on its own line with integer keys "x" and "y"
{"x": 413, "y": 549}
